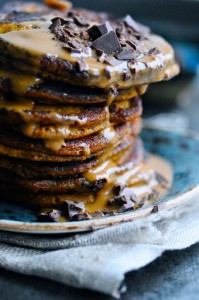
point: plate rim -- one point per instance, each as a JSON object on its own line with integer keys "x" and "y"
{"x": 89, "y": 225}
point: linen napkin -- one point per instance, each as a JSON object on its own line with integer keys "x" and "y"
{"x": 100, "y": 259}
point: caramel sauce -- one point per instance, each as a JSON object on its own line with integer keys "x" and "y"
{"x": 139, "y": 179}
{"x": 41, "y": 42}
{"x": 20, "y": 83}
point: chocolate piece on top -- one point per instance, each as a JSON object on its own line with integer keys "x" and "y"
{"x": 126, "y": 53}
{"x": 137, "y": 27}
{"x": 108, "y": 43}
{"x": 80, "y": 21}
{"x": 97, "y": 31}
{"x": 154, "y": 51}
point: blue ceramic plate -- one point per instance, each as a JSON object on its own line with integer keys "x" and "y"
{"x": 182, "y": 151}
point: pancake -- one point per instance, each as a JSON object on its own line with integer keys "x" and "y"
{"x": 52, "y": 93}
{"x": 66, "y": 182}
{"x": 25, "y": 168}
{"x": 15, "y": 145}
{"x": 26, "y": 49}
{"x": 26, "y": 111}
{"x": 70, "y": 111}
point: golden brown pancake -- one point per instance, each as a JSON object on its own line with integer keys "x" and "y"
{"x": 16, "y": 145}
{"x": 26, "y": 50}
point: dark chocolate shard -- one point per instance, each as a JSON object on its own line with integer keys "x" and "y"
{"x": 81, "y": 65}
{"x": 112, "y": 61}
{"x": 154, "y": 51}
{"x": 81, "y": 217}
{"x": 72, "y": 208}
{"x": 121, "y": 31}
{"x": 155, "y": 209}
{"x": 110, "y": 212}
{"x": 81, "y": 21}
{"x": 97, "y": 31}
{"x": 108, "y": 43}
{"x": 126, "y": 207}
{"x": 119, "y": 200}
{"x": 98, "y": 214}
{"x": 52, "y": 216}
{"x": 137, "y": 27}
{"x": 57, "y": 29}
{"x": 119, "y": 188}
{"x": 126, "y": 75}
{"x": 126, "y": 53}
{"x": 107, "y": 73}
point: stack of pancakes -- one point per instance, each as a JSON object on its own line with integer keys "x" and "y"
{"x": 70, "y": 107}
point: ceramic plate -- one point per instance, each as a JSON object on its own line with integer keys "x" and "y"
{"x": 182, "y": 151}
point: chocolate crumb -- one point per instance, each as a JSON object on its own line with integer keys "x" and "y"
{"x": 81, "y": 217}
{"x": 110, "y": 213}
{"x": 107, "y": 73}
{"x": 155, "y": 209}
{"x": 154, "y": 51}
{"x": 98, "y": 214}
{"x": 52, "y": 216}
{"x": 80, "y": 21}
{"x": 126, "y": 207}
{"x": 119, "y": 188}
{"x": 81, "y": 65}
{"x": 137, "y": 27}
{"x": 126, "y": 76}
{"x": 112, "y": 61}
{"x": 125, "y": 54}
{"x": 120, "y": 200}
{"x": 72, "y": 208}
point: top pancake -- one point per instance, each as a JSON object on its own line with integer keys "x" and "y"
{"x": 121, "y": 53}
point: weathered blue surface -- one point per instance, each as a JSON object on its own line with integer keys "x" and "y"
{"x": 181, "y": 151}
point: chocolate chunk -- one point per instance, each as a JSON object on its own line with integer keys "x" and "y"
{"x": 154, "y": 51}
{"x": 119, "y": 188}
{"x": 110, "y": 212}
{"x": 126, "y": 53}
{"x": 96, "y": 32}
{"x": 120, "y": 200}
{"x": 131, "y": 44}
{"x": 126, "y": 207}
{"x": 98, "y": 214}
{"x": 81, "y": 65}
{"x": 81, "y": 21}
{"x": 81, "y": 217}
{"x": 108, "y": 43}
{"x": 112, "y": 61}
{"x": 155, "y": 209}
{"x": 107, "y": 73}
{"x": 121, "y": 31}
{"x": 59, "y": 32}
{"x": 72, "y": 208}
{"x": 126, "y": 76}
{"x": 137, "y": 27}
{"x": 74, "y": 44}
{"x": 51, "y": 216}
